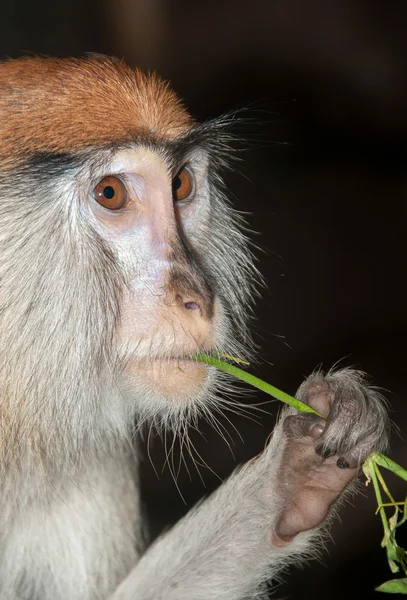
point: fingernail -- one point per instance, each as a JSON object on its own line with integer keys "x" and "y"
{"x": 342, "y": 463}
{"x": 323, "y": 451}
{"x": 317, "y": 429}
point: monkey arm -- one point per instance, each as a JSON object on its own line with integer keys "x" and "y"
{"x": 223, "y": 548}
{"x": 273, "y": 509}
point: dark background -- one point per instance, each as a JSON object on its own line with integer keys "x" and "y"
{"x": 324, "y": 181}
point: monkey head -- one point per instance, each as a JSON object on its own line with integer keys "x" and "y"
{"x": 121, "y": 255}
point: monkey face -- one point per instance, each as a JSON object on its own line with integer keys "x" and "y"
{"x": 169, "y": 310}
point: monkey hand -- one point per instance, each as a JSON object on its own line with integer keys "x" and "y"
{"x": 273, "y": 508}
{"x": 320, "y": 457}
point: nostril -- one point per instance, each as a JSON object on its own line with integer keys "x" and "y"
{"x": 188, "y": 304}
{"x": 191, "y": 305}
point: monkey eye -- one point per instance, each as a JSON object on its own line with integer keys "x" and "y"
{"x": 111, "y": 193}
{"x": 183, "y": 185}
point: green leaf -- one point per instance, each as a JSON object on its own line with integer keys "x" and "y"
{"x": 387, "y": 463}
{"x": 393, "y": 586}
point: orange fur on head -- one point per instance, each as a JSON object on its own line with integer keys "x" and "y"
{"x": 65, "y": 105}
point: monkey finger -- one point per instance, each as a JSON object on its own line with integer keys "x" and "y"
{"x": 303, "y": 425}
{"x": 358, "y": 454}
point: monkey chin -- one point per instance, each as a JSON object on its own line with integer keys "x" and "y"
{"x": 178, "y": 380}
{"x": 175, "y": 381}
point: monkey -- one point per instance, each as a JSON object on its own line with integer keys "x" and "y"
{"x": 121, "y": 258}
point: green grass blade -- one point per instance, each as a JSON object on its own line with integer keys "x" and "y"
{"x": 255, "y": 382}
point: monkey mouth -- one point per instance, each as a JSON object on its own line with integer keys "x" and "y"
{"x": 183, "y": 358}
{"x": 188, "y": 362}
{"x": 176, "y": 379}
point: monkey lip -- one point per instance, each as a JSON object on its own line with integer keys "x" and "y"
{"x": 162, "y": 365}
{"x": 183, "y": 362}
{"x": 180, "y": 368}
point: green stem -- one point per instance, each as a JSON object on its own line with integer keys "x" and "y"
{"x": 255, "y": 382}
{"x": 373, "y": 469}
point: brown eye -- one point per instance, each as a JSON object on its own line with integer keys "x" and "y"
{"x": 111, "y": 193}
{"x": 183, "y": 184}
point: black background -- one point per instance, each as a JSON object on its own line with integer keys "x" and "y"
{"x": 324, "y": 181}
